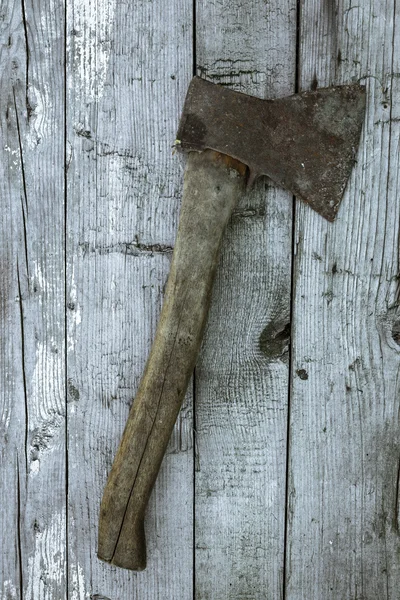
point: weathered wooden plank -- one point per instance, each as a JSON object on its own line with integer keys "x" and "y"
{"x": 242, "y": 375}
{"x": 12, "y": 399}
{"x": 32, "y": 397}
{"x": 128, "y": 69}
{"x": 343, "y": 537}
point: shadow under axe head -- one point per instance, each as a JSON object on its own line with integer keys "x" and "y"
{"x": 306, "y": 143}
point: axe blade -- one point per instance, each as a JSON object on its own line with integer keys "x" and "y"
{"x": 306, "y": 143}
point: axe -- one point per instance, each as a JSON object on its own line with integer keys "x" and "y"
{"x": 306, "y": 143}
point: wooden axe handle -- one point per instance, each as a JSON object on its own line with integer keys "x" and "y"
{"x": 212, "y": 185}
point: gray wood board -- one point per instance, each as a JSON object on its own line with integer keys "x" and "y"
{"x": 32, "y": 365}
{"x": 242, "y": 375}
{"x": 343, "y": 536}
{"x": 128, "y": 69}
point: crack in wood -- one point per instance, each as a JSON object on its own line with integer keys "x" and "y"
{"x": 24, "y": 383}
{"x": 19, "y": 541}
{"x": 128, "y": 248}
{"x": 24, "y": 207}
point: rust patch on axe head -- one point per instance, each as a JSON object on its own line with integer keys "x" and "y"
{"x": 307, "y": 143}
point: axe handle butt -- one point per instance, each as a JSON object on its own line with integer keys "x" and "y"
{"x": 213, "y": 184}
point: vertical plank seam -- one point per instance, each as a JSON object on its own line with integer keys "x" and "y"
{"x": 384, "y": 91}
{"x": 298, "y": 41}
{"x": 194, "y": 48}
{"x": 289, "y": 396}
{"x": 194, "y": 457}
{"x": 397, "y": 490}
{"x": 397, "y": 482}
{"x": 291, "y": 312}
{"x": 194, "y": 489}
{"x": 66, "y": 165}
{"x": 396, "y": 499}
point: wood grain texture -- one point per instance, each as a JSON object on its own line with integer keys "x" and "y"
{"x": 32, "y": 391}
{"x": 343, "y": 535}
{"x": 128, "y": 66}
{"x": 242, "y": 375}
{"x": 128, "y": 69}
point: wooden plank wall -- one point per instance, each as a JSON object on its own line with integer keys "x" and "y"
{"x": 32, "y": 277}
{"x": 242, "y": 376}
{"x": 281, "y": 480}
{"x": 343, "y": 527}
{"x": 128, "y": 69}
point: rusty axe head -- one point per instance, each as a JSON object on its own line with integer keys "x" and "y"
{"x": 306, "y": 143}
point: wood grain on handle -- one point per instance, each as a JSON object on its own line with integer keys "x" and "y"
{"x": 213, "y": 184}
